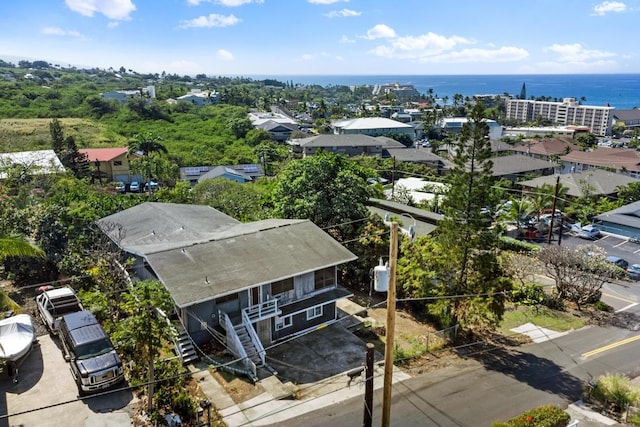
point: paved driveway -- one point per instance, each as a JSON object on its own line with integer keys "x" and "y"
{"x": 46, "y": 382}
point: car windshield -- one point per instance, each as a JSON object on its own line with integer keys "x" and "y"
{"x": 92, "y": 349}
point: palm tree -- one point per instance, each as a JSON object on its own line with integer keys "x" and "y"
{"x": 18, "y": 246}
{"x": 146, "y": 144}
{"x": 15, "y": 246}
{"x": 518, "y": 210}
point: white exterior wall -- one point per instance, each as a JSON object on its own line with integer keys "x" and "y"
{"x": 568, "y": 112}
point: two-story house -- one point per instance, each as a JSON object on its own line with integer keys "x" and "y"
{"x": 250, "y": 284}
{"x": 110, "y": 163}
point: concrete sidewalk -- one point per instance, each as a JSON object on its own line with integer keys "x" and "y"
{"x": 269, "y": 408}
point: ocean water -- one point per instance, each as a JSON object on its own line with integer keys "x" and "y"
{"x": 617, "y": 90}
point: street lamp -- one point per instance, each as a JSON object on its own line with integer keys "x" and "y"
{"x": 409, "y": 232}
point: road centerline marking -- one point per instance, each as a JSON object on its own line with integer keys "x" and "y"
{"x": 610, "y": 346}
{"x": 620, "y": 298}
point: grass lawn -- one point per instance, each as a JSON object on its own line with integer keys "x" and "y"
{"x": 540, "y": 316}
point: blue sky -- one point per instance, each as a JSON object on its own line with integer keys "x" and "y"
{"x": 289, "y": 37}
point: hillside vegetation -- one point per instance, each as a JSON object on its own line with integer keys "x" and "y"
{"x": 33, "y": 134}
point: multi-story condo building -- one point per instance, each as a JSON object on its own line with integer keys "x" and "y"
{"x": 567, "y": 112}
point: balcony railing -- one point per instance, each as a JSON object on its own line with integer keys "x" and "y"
{"x": 264, "y": 310}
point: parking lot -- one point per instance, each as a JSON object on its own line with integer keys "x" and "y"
{"x": 611, "y": 244}
{"x": 46, "y": 394}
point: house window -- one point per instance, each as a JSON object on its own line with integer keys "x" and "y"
{"x": 283, "y": 322}
{"x": 324, "y": 278}
{"x": 282, "y": 286}
{"x": 314, "y": 312}
{"x": 117, "y": 163}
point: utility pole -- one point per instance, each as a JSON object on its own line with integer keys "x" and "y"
{"x": 553, "y": 210}
{"x": 390, "y": 329}
{"x": 368, "y": 387}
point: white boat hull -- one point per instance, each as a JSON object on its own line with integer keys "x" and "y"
{"x": 17, "y": 335}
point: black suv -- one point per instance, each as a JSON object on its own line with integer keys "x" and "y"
{"x": 94, "y": 363}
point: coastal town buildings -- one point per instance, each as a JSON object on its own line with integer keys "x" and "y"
{"x": 567, "y": 112}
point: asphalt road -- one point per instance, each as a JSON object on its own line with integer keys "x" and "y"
{"x": 499, "y": 385}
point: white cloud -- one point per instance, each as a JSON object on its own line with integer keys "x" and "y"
{"x": 577, "y": 53}
{"x": 503, "y": 54}
{"x": 417, "y": 47}
{"x": 380, "y": 31}
{"x": 609, "y": 6}
{"x": 224, "y": 55}
{"x": 345, "y": 39}
{"x": 325, "y": 1}
{"x": 228, "y": 3}
{"x": 344, "y": 13}
{"x": 112, "y": 9}
{"x": 113, "y": 24}
{"x": 307, "y": 57}
{"x": 213, "y": 20}
{"x": 55, "y": 31}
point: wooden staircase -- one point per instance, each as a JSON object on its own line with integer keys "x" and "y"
{"x": 247, "y": 343}
{"x": 184, "y": 347}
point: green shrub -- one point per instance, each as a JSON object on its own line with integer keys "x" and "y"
{"x": 616, "y": 390}
{"x": 511, "y": 244}
{"x": 530, "y": 294}
{"x": 184, "y": 405}
{"x": 599, "y": 305}
{"x": 543, "y": 416}
{"x": 553, "y": 302}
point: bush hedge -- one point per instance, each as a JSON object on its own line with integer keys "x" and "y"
{"x": 543, "y": 416}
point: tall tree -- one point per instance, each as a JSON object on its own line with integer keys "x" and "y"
{"x": 327, "y": 189}
{"x": 523, "y": 91}
{"x": 57, "y": 137}
{"x": 147, "y": 145}
{"x": 468, "y": 243}
{"x": 67, "y": 150}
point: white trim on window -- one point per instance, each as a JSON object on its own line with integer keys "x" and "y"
{"x": 284, "y": 322}
{"x": 314, "y": 312}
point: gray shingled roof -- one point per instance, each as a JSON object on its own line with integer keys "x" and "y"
{"x": 416, "y": 155}
{"x": 602, "y": 182}
{"x": 628, "y": 215}
{"x": 152, "y": 227}
{"x": 627, "y": 115}
{"x": 347, "y": 140}
{"x": 517, "y": 163}
{"x": 200, "y": 253}
{"x": 198, "y": 273}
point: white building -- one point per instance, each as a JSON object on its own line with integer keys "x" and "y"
{"x": 455, "y": 124}
{"x": 200, "y": 98}
{"x": 35, "y": 162}
{"x": 556, "y": 131}
{"x": 372, "y": 126}
{"x": 567, "y": 112}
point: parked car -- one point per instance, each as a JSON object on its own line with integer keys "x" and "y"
{"x": 622, "y": 263}
{"x": 120, "y": 186}
{"x": 589, "y": 232}
{"x": 154, "y": 186}
{"x": 634, "y": 271}
{"x": 134, "y": 187}
{"x": 93, "y": 360}
{"x": 52, "y": 304}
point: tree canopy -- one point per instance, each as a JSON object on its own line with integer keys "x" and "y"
{"x": 327, "y": 189}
